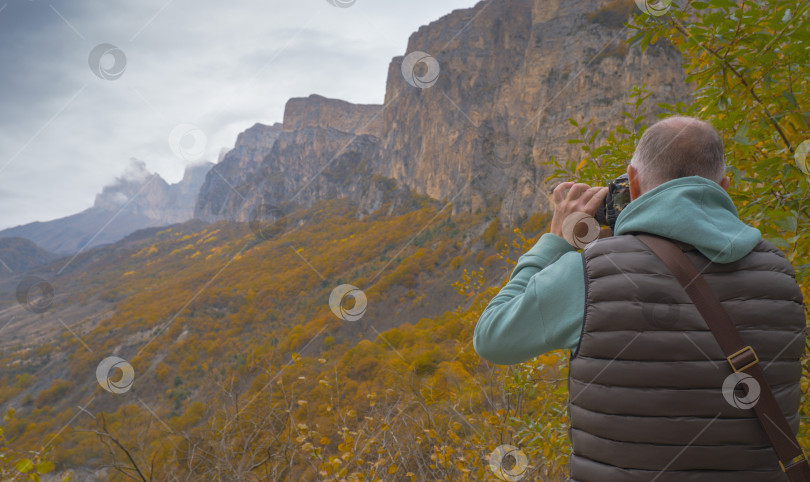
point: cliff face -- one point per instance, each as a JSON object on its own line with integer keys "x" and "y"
{"x": 318, "y": 111}
{"x": 511, "y": 73}
{"x": 325, "y": 149}
{"x": 228, "y": 177}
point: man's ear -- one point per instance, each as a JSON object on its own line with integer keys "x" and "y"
{"x": 725, "y": 183}
{"x": 635, "y": 186}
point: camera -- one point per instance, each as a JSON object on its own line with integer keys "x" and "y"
{"x": 617, "y": 198}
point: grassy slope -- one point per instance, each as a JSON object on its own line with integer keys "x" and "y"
{"x": 217, "y": 322}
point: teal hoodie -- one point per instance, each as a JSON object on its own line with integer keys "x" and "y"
{"x": 542, "y": 306}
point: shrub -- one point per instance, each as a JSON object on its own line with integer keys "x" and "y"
{"x": 57, "y": 390}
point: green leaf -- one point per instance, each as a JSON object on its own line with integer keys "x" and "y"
{"x": 790, "y": 98}
{"x": 736, "y": 172}
{"x": 740, "y": 137}
{"x": 779, "y": 243}
{"x": 788, "y": 224}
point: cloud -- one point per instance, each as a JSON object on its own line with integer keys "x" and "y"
{"x": 135, "y": 172}
{"x": 221, "y": 66}
{"x": 119, "y": 198}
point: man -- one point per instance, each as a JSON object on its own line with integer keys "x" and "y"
{"x": 646, "y": 397}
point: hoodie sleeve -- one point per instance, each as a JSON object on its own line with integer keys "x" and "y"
{"x": 540, "y": 309}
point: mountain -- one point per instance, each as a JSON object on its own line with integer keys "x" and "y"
{"x": 510, "y": 75}
{"x": 326, "y": 148}
{"x": 19, "y": 255}
{"x": 233, "y": 170}
{"x": 246, "y": 366}
{"x": 138, "y": 199}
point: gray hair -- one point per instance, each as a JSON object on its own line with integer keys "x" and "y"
{"x": 678, "y": 147}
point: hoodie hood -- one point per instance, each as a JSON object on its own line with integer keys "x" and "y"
{"x": 693, "y": 210}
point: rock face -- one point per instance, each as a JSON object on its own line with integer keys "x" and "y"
{"x": 136, "y": 200}
{"x": 326, "y": 149}
{"x": 229, "y": 176}
{"x": 318, "y": 111}
{"x": 510, "y": 75}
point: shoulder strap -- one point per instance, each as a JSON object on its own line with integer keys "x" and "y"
{"x": 740, "y": 356}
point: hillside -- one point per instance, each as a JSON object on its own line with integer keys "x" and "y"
{"x": 193, "y": 307}
{"x": 20, "y": 255}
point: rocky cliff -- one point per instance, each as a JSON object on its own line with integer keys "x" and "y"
{"x": 512, "y": 73}
{"x": 326, "y": 148}
{"x": 318, "y": 111}
{"x": 478, "y": 127}
{"x": 231, "y": 174}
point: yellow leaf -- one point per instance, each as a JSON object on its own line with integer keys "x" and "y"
{"x": 24, "y": 466}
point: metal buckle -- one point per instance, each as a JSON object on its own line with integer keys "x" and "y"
{"x": 734, "y": 355}
{"x": 792, "y": 462}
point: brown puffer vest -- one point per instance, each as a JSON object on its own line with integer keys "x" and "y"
{"x": 645, "y": 383}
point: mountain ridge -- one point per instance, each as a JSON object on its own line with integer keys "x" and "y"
{"x": 137, "y": 199}
{"x": 20, "y": 255}
{"x": 483, "y": 133}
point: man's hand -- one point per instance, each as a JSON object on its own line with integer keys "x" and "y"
{"x": 580, "y": 198}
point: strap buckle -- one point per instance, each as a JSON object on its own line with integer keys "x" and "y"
{"x": 747, "y": 355}
{"x": 792, "y": 462}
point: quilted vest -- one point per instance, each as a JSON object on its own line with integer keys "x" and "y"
{"x": 646, "y": 398}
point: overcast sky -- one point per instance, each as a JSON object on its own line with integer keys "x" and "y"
{"x": 67, "y": 130}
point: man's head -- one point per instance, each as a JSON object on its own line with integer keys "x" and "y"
{"x": 673, "y": 148}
